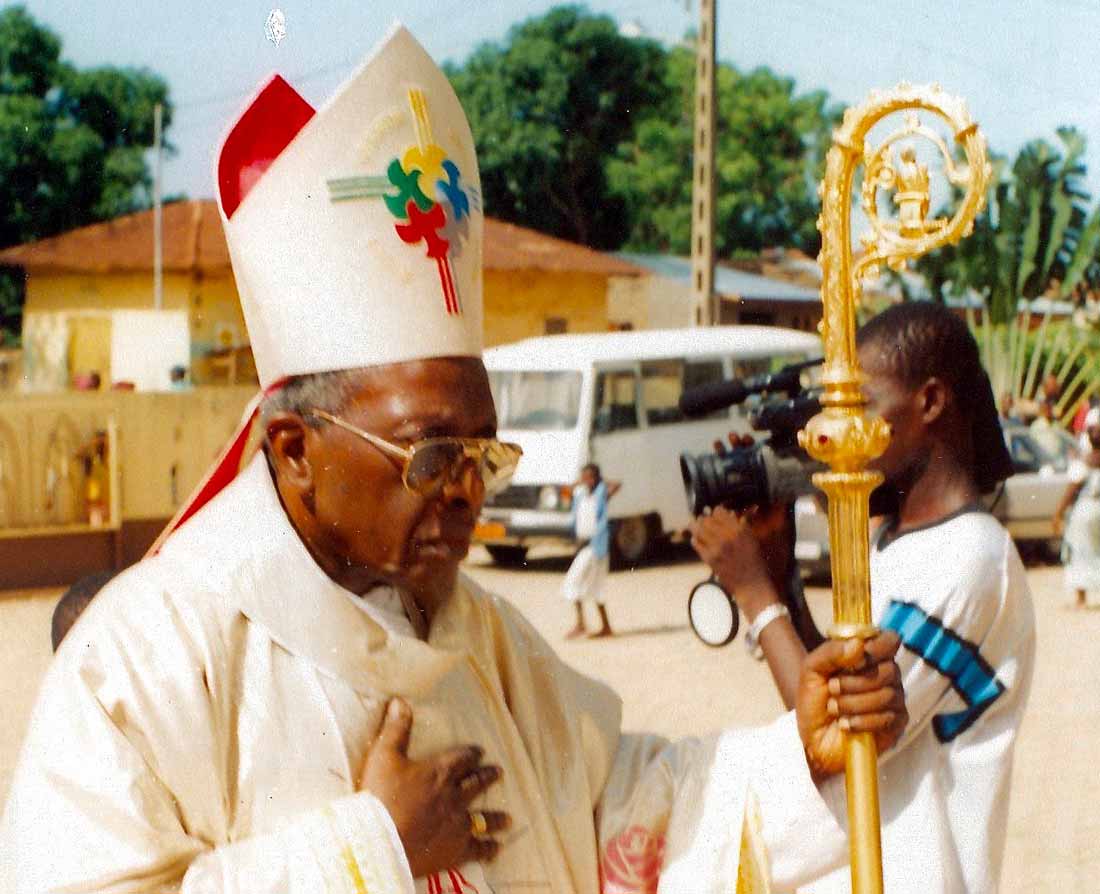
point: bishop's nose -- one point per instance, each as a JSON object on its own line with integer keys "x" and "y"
{"x": 464, "y": 488}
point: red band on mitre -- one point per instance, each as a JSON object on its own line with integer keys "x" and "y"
{"x": 260, "y": 135}
{"x": 221, "y": 474}
{"x": 262, "y": 132}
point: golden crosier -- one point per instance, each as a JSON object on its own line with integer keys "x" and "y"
{"x": 887, "y": 243}
{"x": 842, "y": 435}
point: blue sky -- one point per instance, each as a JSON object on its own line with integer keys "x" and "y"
{"x": 1024, "y": 66}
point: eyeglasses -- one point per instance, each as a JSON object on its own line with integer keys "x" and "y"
{"x": 429, "y": 464}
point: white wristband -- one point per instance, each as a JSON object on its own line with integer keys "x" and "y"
{"x": 762, "y": 620}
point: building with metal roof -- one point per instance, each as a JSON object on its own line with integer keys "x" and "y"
{"x": 665, "y": 297}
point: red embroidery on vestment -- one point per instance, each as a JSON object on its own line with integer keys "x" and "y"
{"x": 632, "y": 862}
{"x": 458, "y": 882}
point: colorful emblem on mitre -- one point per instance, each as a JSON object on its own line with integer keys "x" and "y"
{"x": 429, "y": 195}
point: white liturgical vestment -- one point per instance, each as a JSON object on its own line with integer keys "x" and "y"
{"x": 203, "y": 726}
{"x": 957, "y": 594}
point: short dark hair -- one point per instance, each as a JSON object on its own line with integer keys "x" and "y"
{"x": 328, "y": 391}
{"x": 927, "y": 340}
{"x": 922, "y": 340}
{"x": 70, "y": 606}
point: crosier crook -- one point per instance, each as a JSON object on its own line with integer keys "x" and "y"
{"x": 842, "y": 435}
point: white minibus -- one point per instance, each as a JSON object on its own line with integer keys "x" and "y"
{"x": 612, "y": 399}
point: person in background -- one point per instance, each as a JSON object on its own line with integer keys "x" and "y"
{"x": 1052, "y": 389}
{"x": 945, "y": 575}
{"x": 73, "y": 602}
{"x": 1077, "y": 426}
{"x": 1085, "y": 419}
{"x": 584, "y": 582}
{"x": 178, "y": 377}
{"x": 1046, "y": 431}
{"x": 1081, "y": 537}
{"x": 1008, "y": 407}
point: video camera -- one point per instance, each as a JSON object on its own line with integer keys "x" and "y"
{"x": 775, "y": 470}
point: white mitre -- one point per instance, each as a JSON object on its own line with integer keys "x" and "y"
{"x": 355, "y": 232}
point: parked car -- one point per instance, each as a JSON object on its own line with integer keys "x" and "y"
{"x": 1025, "y": 503}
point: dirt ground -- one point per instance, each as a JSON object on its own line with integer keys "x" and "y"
{"x": 672, "y": 684}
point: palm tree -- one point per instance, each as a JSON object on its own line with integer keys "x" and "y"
{"x": 1035, "y": 244}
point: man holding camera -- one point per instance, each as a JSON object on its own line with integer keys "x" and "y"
{"x": 944, "y": 575}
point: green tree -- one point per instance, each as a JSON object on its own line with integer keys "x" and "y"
{"x": 587, "y": 134}
{"x": 72, "y": 141}
{"x": 11, "y": 306}
{"x": 769, "y": 156}
{"x": 546, "y": 109}
{"x": 1036, "y": 236}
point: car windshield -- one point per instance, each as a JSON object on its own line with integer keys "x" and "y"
{"x": 1030, "y": 454}
{"x": 536, "y": 401}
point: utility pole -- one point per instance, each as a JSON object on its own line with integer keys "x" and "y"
{"x": 158, "y": 269}
{"x": 704, "y": 310}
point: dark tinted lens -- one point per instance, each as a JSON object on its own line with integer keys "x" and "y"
{"x": 498, "y": 464}
{"x": 431, "y": 464}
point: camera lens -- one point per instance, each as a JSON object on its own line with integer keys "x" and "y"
{"x": 689, "y": 471}
{"x": 736, "y": 478}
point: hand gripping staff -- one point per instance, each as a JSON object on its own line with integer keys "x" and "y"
{"x": 842, "y": 435}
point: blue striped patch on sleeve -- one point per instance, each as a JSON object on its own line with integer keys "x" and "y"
{"x": 954, "y": 657}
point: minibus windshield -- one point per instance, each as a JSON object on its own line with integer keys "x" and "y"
{"x": 536, "y": 400}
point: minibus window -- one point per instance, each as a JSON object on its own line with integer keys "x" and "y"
{"x": 538, "y": 401}
{"x": 616, "y": 402}
{"x": 662, "y": 385}
{"x": 704, "y": 372}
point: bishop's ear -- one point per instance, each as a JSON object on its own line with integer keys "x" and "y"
{"x": 288, "y": 442}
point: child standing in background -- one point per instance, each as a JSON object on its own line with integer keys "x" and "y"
{"x": 586, "y": 576}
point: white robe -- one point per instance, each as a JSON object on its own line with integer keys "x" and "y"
{"x": 957, "y": 594}
{"x": 203, "y": 725}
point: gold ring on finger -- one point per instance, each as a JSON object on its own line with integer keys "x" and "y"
{"x": 479, "y": 826}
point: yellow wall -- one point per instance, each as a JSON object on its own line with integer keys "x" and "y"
{"x": 90, "y": 346}
{"x": 166, "y": 443}
{"x": 518, "y": 303}
{"x": 214, "y": 304}
{"x": 651, "y": 302}
{"x": 628, "y": 302}
{"x": 215, "y": 313}
{"x": 211, "y": 303}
